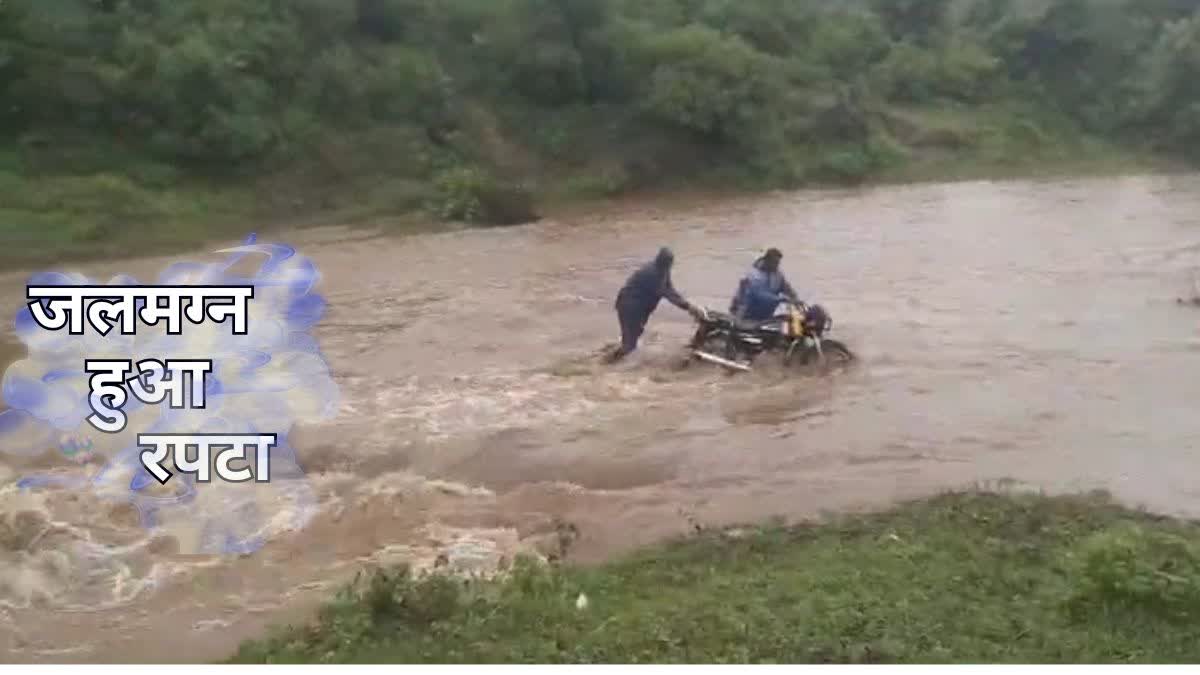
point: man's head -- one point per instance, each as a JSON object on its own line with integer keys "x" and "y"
{"x": 771, "y": 259}
{"x": 664, "y": 259}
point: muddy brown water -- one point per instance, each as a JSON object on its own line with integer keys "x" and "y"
{"x": 1021, "y": 330}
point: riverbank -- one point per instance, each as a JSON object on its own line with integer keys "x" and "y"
{"x": 966, "y": 577}
{"x": 79, "y": 219}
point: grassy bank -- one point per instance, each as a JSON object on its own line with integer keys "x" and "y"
{"x": 970, "y": 577}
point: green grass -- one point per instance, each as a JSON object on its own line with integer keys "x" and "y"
{"x": 56, "y": 218}
{"x": 960, "y": 578}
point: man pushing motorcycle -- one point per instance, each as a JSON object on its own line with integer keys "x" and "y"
{"x": 762, "y": 289}
{"x": 639, "y": 297}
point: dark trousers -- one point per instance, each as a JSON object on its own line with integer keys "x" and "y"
{"x": 633, "y": 324}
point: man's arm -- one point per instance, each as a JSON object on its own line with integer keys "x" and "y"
{"x": 761, "y": 294}
{"x": 673, "y": 295}
{"x": 786, "y": 289}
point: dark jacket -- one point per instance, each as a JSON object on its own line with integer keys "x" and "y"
{"x": 759, "y": 293}
{"x": 640, "y": 295}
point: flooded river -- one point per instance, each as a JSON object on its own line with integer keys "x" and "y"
{"x": 1024, "y": 331}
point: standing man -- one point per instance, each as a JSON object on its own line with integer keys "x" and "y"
{"x": 639, "y": 297}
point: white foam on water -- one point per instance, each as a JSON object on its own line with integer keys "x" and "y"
{"x": 52, "y": 562}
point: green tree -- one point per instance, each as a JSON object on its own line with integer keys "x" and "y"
{"x": 1171, "y": 90}
{"x": 716, "y": 86}
{"x": 917, "y": 20}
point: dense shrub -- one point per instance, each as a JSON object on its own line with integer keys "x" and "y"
{"x": 473, "y": 196}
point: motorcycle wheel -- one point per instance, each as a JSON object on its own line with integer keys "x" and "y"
{"x": 836, "y": 353}
{"x": 714, "y": 342}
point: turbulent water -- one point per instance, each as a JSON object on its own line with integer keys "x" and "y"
{"x": 1023, "y": 331}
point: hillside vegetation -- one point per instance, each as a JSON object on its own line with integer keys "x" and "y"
{"x": 164, "y": 122}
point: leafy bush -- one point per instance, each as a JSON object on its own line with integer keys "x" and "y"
{"x": 960, "y": 71}
{"x": 376, "y": 602}
{"x": 716, "y": 86}
{"x": 852, "y": 163}
{"x": 1168, "y": 96}
{"x": 472, "y": 195}
{"x": 1135, "y": 568}
{"x": 908, "y": 74}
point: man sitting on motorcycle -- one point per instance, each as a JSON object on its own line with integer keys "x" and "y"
{"x": 762, "y": 289}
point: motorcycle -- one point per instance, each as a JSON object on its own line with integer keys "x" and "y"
{"x": 799, "y": 334}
